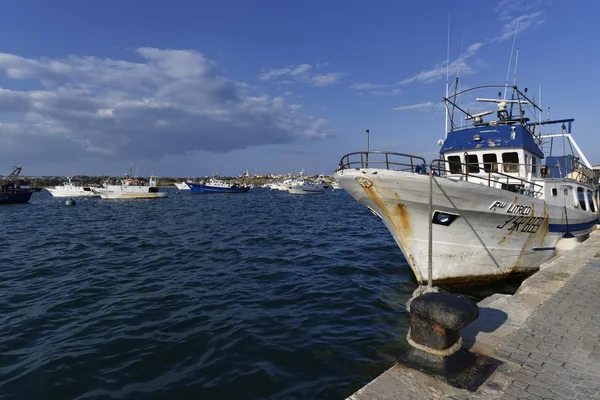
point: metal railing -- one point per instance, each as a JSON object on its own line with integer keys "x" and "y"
{"x": 513, "y": 183}
{"x": 382, "y": 159}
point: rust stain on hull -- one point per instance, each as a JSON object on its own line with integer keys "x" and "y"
{"x": 399, "y": 217}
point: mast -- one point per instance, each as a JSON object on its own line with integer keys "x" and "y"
{"x": 447, "y": 77}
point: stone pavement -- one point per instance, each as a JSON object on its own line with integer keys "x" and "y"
{"x": 556, "y": 355}
{"x": 547, "y": 335}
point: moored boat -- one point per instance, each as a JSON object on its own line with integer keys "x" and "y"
{"x": 499, "y": 205}
{"x": 131, "y": 188}
{"x": 11, "y": 193}
{"x": 71, "y": 189}
{"x": 305, "y": 186}
{"x": 214, "y": 185}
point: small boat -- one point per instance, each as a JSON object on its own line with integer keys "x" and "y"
{"x": 335, "y": 186}
{"x": 182, "y": 185}
{"x": 214, "y": 185}
{"x": 131, "y": 188}
{"x": 71, "y": 189}
{"x": 11, "y": 193}
{"x": 302, "y": 185}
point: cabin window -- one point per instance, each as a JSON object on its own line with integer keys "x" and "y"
{"x": 510, "y": 161}
{"x": 554, "y": 192}
{"x": 591, "y": 201}
{"x": 454, "y": 163}
{"x": 490, "y": 163}
{"x": 534, "y": 165}
{"x": 472, "y": 163}
{"x": 581, "y": 198}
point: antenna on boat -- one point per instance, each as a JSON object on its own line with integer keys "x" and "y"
{"x": 138, "y": 165}
{"x": 447, "y": 77}
{"x": 516, "y": 64}
{"x": 510, "y": 59}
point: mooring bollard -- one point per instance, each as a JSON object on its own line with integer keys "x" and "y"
{"x": 436, "y": 320}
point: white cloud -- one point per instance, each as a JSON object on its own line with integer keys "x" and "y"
{"x": 456, "y": 67}
{"x": 326, "y": 79}
{"x": 520, "y": 24}
{"x": 418, "y": 107}
{"x": 367, "y": 86}
{"x": 527, "y": 14}
{"x": 169, "y": 102}
{"x": 302, "y": 73}
{"x": 377, "y": 89}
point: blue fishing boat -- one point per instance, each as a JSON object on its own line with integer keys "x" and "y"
{"x": 214, "y": 185}
{"x": 217, "y": 186}
{"x": 11, "y": 193}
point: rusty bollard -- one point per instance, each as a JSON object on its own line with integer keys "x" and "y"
{"x": 436, "y": 320}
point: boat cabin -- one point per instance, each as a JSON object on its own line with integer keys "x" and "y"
{"x": 506, "y": 153}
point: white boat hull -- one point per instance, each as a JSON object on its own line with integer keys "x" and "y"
{"x": 482, "y": 242}
{"x": 182, "y": 186}
{"x": 112, "y": 192}
{"x": 300, "y": 190}
{"x": 71, "y": 192}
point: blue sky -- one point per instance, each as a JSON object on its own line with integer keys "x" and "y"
{"x": 193, "y": 88}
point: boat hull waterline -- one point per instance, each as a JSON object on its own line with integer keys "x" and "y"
{"x": 198, "y": 188}
{"x": 482, "y": 242}
{"x": 20, "y": 197}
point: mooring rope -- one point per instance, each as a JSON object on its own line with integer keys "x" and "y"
{"x": 440, "y": 353}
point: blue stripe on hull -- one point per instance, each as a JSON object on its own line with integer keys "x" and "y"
{"x": 543, "y": 248}
{"x": 572, "y": 227}
{"x": 198, "y": 189}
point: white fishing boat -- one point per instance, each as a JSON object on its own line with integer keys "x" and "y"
{"x": 131, "y": 188}
{"x": 71, "y": 188}
{"x": 182, "y": 185}
{"x": 301, "y": 185}
{"x": 335, "y": 186}
{"x": 498, "y": 206}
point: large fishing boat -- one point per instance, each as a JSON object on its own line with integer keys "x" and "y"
{"x": 10, "y": 192}
{"x": 496, "y": 204}
{"x": 131, "y": 188}
{"x": 71, "y": 189}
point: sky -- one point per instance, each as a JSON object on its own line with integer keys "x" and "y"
{"x": 195, "y": 88}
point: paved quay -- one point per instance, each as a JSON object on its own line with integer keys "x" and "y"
{"x": 547, "y": 336}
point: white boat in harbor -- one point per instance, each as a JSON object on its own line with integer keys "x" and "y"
{"x": 182, "y": 185}
{"x": 131, "y": 188}
{"x": 302, "y": 185}
{"x": 499, "y": 204}
{"x": 71, "y": 189}
{"x": 335, "y": 186}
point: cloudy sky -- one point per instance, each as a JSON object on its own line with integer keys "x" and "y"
{"x": 191, "y": 88}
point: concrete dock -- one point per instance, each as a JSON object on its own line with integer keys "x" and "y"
{"x": 546, "y": 336}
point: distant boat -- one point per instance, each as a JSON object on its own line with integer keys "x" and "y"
{"x": 131, "y": 188}
{"x": 302, "y": 185}
{"x": 182, "y": 185}
{"x": 214, "y": 185}
{"x": 336, "y": 186}
{"x": 71, "y": 189}
{"x": 10, "y": 193}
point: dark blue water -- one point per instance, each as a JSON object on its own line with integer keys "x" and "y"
{"x": 251, "y": 296}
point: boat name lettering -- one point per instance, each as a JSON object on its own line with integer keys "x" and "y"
{"x": 519, "y": 209}
{"x": 498, "y": 204}
{"x": 523, "y": 224}
{"x": 512, "y": 208}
